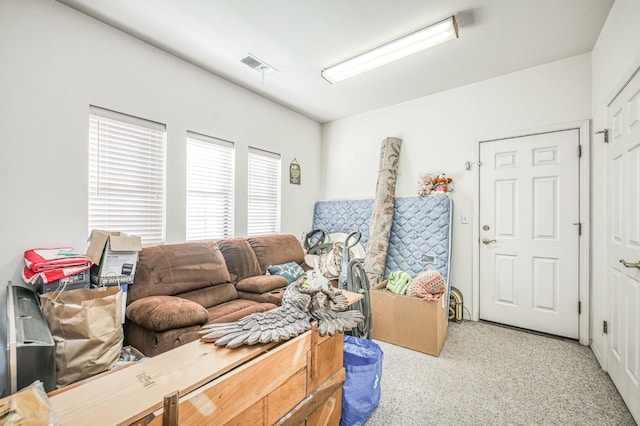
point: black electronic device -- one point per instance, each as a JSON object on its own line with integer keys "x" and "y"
{"x": 79, "y": 280}
{"x": 127, "y": 268}
{"x": 31, "y": 349}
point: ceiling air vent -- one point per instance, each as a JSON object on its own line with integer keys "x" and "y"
{"x": 257, "y": 64}
{"x": 251, "y": 61}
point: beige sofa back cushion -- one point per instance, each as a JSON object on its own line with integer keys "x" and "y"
{"x": 172, "y": 269}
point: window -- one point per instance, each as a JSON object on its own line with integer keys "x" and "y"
{"x": 209, "y": 187}
{"x": 126, "y": 175}
{"x": 263, "y": 216}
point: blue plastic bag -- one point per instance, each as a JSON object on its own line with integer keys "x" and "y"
{"x": 361, "y": 388}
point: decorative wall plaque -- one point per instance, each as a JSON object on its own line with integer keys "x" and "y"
{"x": 294, "y": 172}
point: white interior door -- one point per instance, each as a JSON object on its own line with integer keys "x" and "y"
{"x": 623, "y": 162}
{"x": 529, "y": 232}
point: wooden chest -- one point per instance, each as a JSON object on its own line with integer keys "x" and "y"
{"x": 293, "y": 382}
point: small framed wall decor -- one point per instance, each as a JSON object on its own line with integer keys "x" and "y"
{"x": 294, "y": 172}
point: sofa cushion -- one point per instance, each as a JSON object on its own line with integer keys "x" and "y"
{"x": 273, "y": 296}
{"x": 276, "y": 249}
{"x": 171, "y": 269}
{"x": 240, "y": 258}
{"x": 236, "y": 309}
{"x": 291, "y": 271}
{"x": 261, "y": 283}
{"x": 160, "y": 313}
{"x": 152, "y": 343}
{"x": 212, "y": 296}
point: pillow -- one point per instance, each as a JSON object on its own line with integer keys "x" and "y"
{"x": 160, "y": 313}
{"x": 398, "y": 282}
{"x": 291, "y": 271}
{"x": 428, "y": 285}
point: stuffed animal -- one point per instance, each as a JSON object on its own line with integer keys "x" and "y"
{"x": 425, "y": 184}
{"x": 442, "y": 183}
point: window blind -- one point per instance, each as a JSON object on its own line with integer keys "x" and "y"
{"x": 263, "y": 215}
{"x": 127, "y": 175}
{"x": 210, "y": 171}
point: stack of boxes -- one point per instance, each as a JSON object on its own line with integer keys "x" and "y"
{"x": 114, "y": 256}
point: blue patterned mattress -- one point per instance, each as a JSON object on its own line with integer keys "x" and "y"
{"x": 420, "y": 234}
{"x": 344, "y": 216}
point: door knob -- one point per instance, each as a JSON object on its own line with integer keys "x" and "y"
{"x": 488, "y": 241}
{"x": 630, "y": 265}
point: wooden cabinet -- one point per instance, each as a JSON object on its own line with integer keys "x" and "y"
{"x": 290, "y": 383}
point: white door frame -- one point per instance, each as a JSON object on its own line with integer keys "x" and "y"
{"x": 584, "y": 134}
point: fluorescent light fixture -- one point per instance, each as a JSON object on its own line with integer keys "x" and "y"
{"x": 392, "y": 51}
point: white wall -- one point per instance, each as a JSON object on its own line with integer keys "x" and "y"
{"x": 615, "y": 55}
{"x": 440, "y": 133}
{"x": 55, "y": 63}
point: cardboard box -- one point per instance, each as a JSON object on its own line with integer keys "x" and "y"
{"x": 406, "y": 321}
{"x": 115, "y": 255}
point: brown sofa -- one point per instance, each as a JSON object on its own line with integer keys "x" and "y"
{"x": 180, "y": 287}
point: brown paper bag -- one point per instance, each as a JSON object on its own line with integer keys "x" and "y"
{"x": 85, "y": 324}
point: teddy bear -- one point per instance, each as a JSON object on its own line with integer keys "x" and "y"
{"x": 425, "y": 184}
{"x": 442, "y": 183}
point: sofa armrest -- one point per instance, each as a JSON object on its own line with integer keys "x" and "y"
{"x": 160, "y": 313}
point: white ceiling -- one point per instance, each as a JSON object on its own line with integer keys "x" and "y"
{"x": 301, "y": 37}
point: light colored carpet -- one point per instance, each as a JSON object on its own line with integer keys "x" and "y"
{"x": 492, "y": 375}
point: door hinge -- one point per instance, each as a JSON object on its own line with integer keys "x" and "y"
{"x": 579, "y": 150}
{"x": 579, "y": 225}
{"x": 604, "y": 327}
{"x": 579, "y": 308}
{"x": 606, "y": 135}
